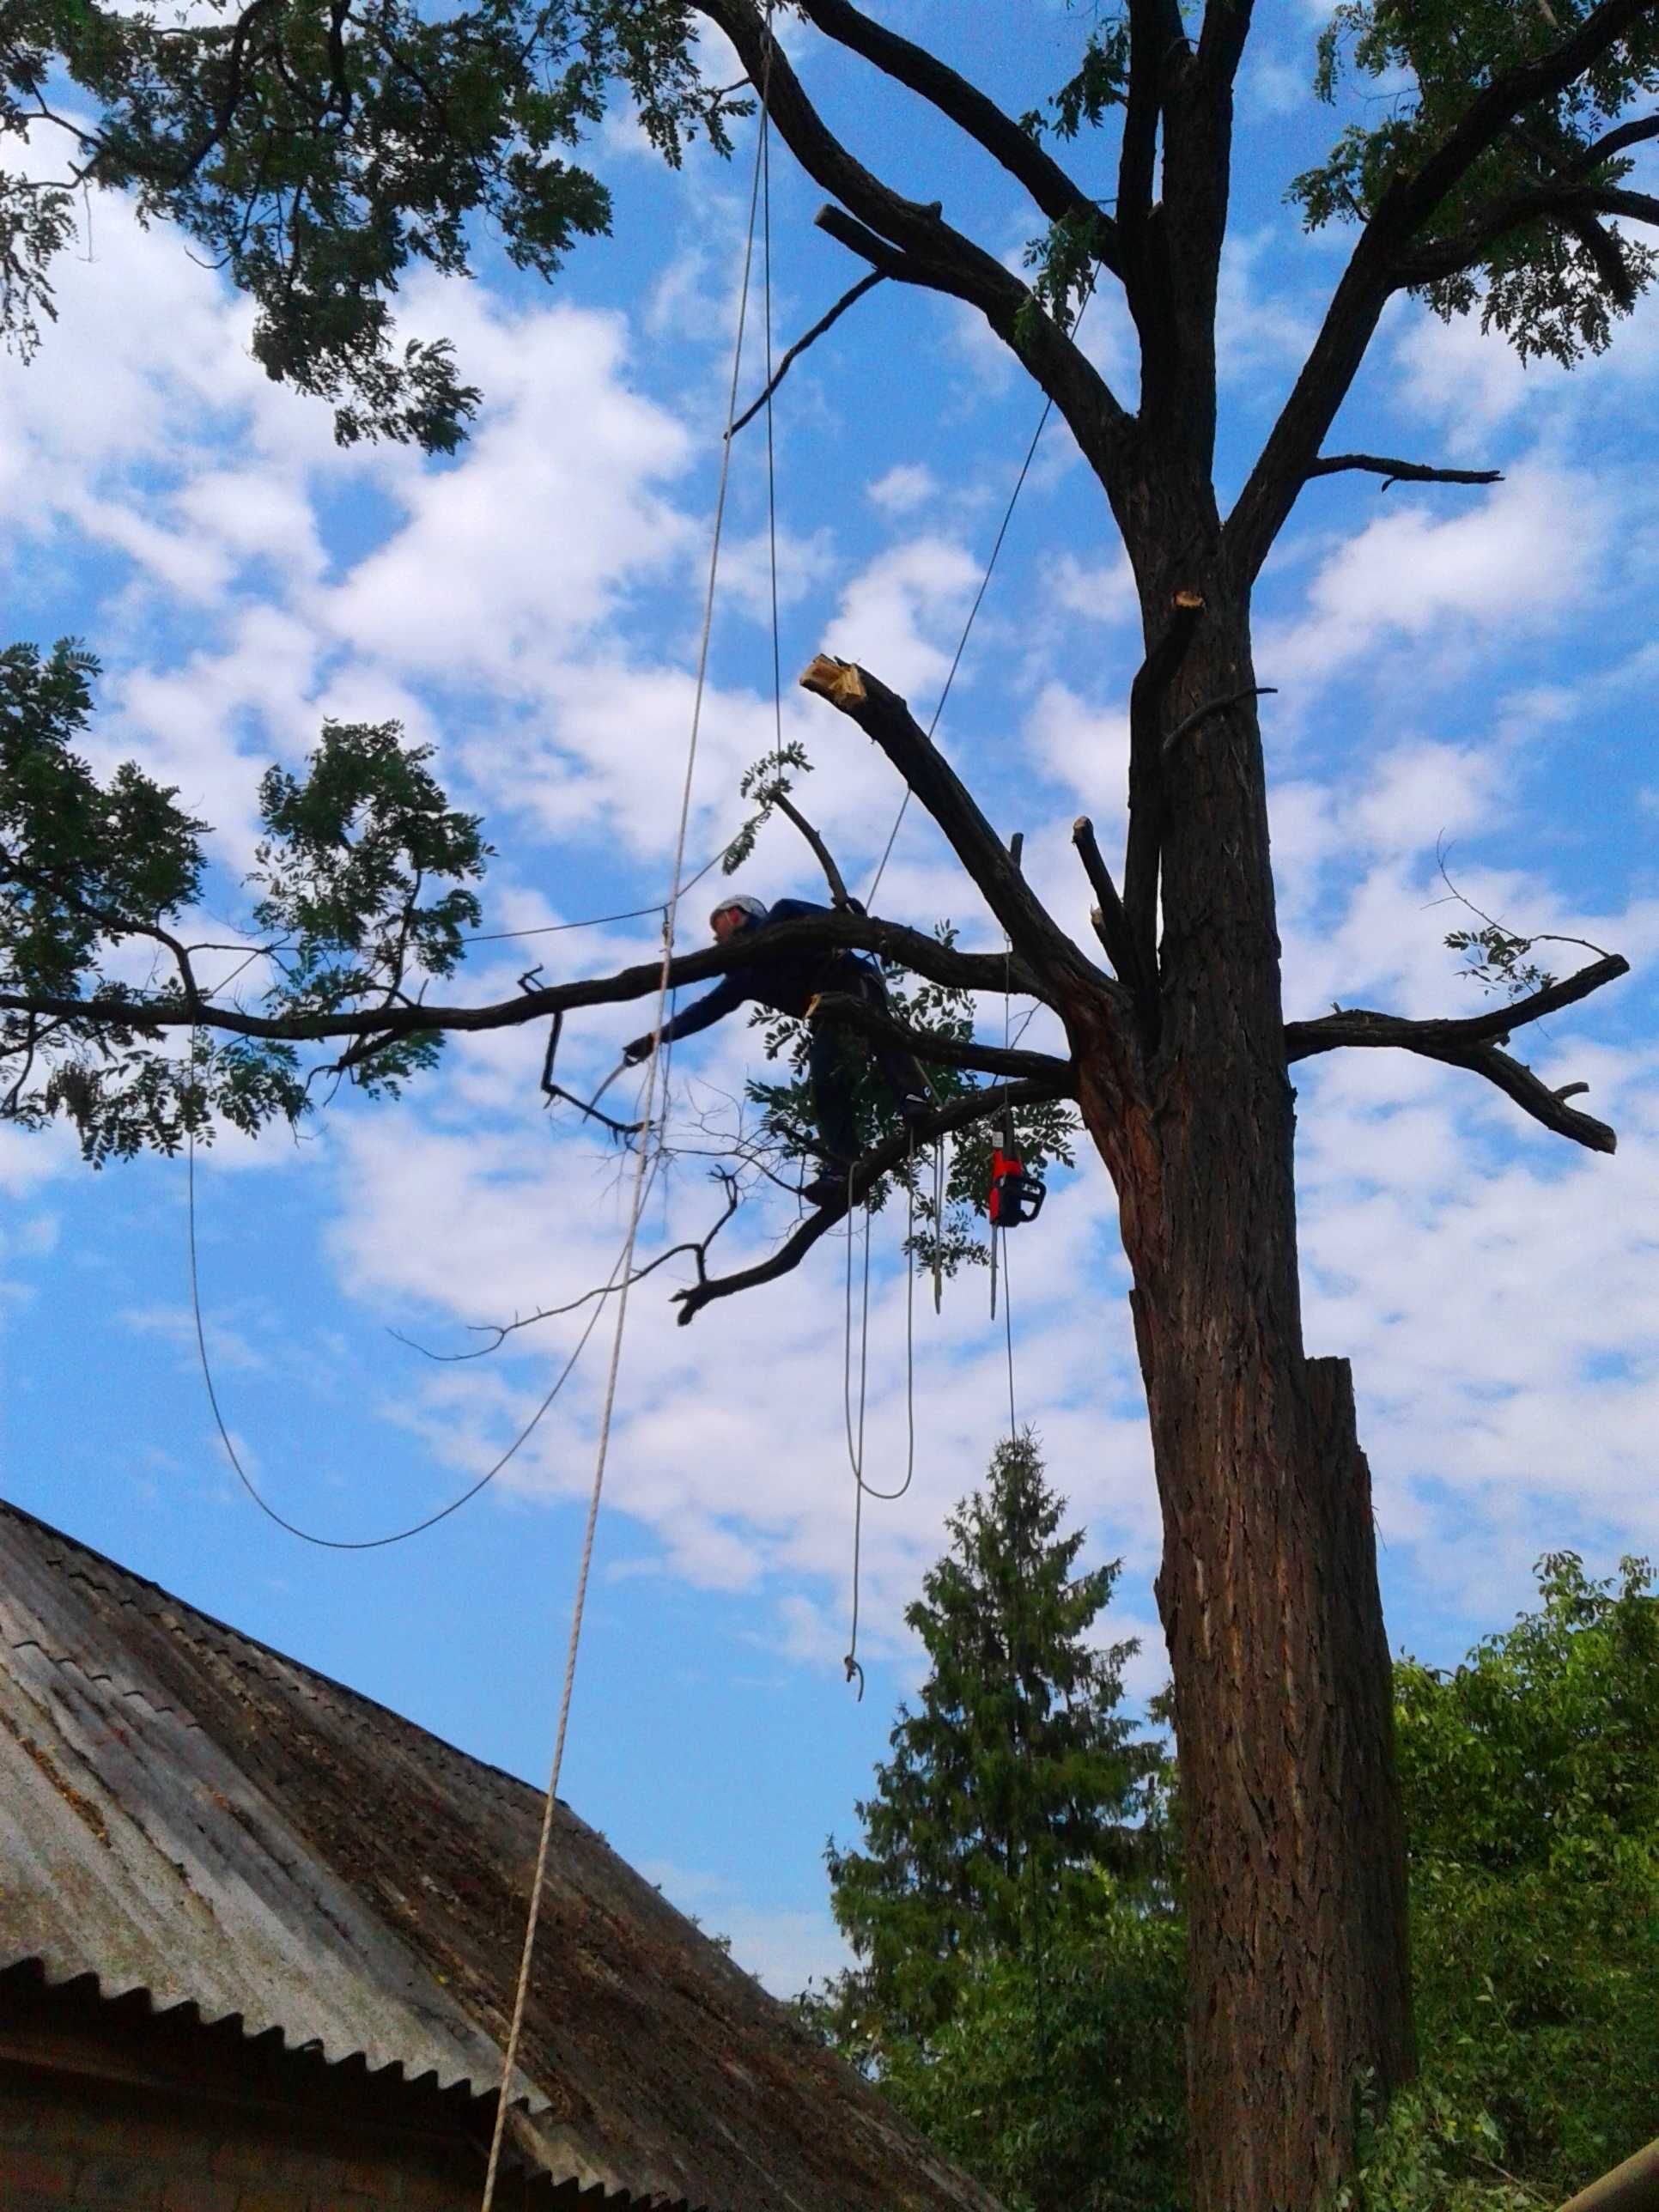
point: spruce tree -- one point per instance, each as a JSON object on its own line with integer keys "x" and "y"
{"x": 1013, "y": 1781}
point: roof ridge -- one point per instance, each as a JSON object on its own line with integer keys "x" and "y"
{"x": 498, "y": 1775}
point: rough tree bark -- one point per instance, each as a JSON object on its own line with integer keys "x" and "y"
{"x": 1180, "y": 1057}
{"x": 1269, "y": 1593}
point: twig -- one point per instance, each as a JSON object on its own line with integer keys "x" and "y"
{"x": 1199, "y": 715}
{"x": 791, "y": 812}
{"x": 498, "y": 1332}
{"x": 825, "y": 322}
{"x": 1394, "y": 472}
{"x": 962, "y": 1113}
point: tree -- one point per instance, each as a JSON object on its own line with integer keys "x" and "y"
{"x": 1532, "y": 1806}
{"x": 1014, "y": 1779}
{"x": 1497, "y": 177}
{"x": 1532, "y": 1813}
{"x": 1018, "y": 1988}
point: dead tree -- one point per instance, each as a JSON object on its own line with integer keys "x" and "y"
{"x": 1178, "y": 1051}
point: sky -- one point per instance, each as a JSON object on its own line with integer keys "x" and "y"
{"x": 1462, "y": 674}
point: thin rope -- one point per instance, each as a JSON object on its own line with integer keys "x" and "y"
{"x": 961, "y": 642}
{"x": 641, "y": 1187}
{"x": 856, "y": 1451}
{"x": 597, "y": 921}
{"x": 972, "y": 612}
{"x": 308, "y": 1536}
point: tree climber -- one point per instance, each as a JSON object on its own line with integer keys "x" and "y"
{"x": 790, "y": 982}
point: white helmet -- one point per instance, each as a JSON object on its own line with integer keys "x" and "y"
{"x": 754, "y": 908}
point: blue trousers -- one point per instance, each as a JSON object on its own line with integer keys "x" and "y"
{"x": 837, "y": 1056}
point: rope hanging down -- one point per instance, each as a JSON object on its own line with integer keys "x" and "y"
{"x": 641, "y": 1183}
{"x": 417, "y": 1527}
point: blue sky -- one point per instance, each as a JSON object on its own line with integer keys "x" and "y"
{"x": 1468, "y": 667}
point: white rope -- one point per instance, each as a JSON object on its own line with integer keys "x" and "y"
{"x": 640, "y": 1186}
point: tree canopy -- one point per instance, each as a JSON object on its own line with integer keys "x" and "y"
{"x": 1533, "y": 1829}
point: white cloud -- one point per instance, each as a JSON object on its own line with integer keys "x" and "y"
{"x": 1503, "y": 565}
{"x": 904, "y": 489}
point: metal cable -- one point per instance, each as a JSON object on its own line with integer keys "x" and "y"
{"x": 640, "y": 1185}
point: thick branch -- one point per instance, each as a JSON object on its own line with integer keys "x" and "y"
{"x": 848, "y": 299}
{"x": 1221, "y": 43}
{"x": 962, "y": 1113}
{"x": 1393, "y": 472}
{"x": 930, "y": 252}
{"x": 1475, "y": 1043}
{"x": 1615, "y": 142}
{"x": 1029, "y": 163}
{"x": 1577, "y": 206}
{"x": 1374, "y": 271}
{"x": 884, "y": 716}
{"x": 1111, "y": 923}
{"x": 1145, "y": 839}
{"x": 1143, "y": 104}
{"x": 926, "y": 1045}
{"x": 909, "y": 948}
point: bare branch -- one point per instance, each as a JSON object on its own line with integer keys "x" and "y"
{"x": 1200, "y": 716}
{"x": 1475, "y": 1043}
{"x": 832, "y": 875}
{"x": 499, "y": 1332}
{"x": 925, "y": 1045}
{"x": 962, "y": 1113}
{"x": 1029, "y": 163}
{"x": 885, "y": 717}
{"x": 856, "y": 932}
{"x": 1394, "y": 472}
{"x": 930, "y": 253}
{"x": 1111, "y": 923}
{"x": 1615, "y": 142}
{"x": 848, "y": 299}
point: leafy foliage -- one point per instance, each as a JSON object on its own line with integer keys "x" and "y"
{"x": 1499, "y": 960}
{"x": 88, "y": 870}
{"x": 1532, "y": 1804}
{"x": 952, "y": 1233}
{"x": 1553, "y": 282}
{"x": 1015, "y": 1778}
{"x": 315, "y": 149}
{"x": 765, "y": 781}
{"x": 1061, "y": 2083}
{"x": 349, "y": 851}
{"x": 1053, "y": 2070}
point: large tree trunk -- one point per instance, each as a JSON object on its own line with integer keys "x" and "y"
{"x": 1268, "y": 1592}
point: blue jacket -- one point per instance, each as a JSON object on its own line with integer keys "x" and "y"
{"x": 787, "y": 982}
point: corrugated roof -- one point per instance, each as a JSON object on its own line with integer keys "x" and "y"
{"x": 188, "y": 1813}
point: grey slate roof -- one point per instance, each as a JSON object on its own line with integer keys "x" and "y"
{"x": 186, "y": 1812}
